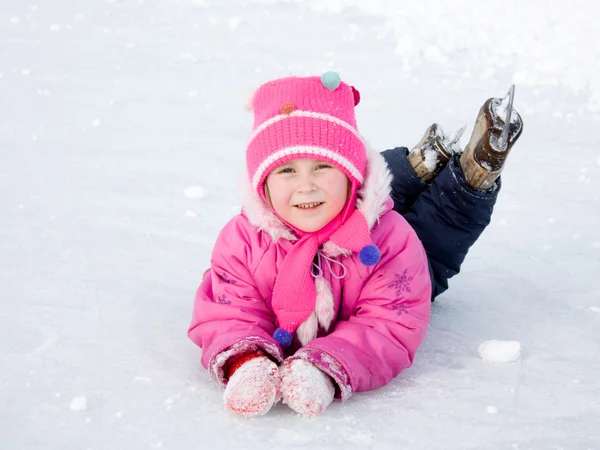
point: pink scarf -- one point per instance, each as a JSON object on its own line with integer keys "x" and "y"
{"x": 294, "y": 294}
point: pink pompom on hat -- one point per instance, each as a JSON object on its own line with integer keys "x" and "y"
{"x": 309, "y": 117}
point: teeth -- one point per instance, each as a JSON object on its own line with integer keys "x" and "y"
{"x": 309, "y": 205}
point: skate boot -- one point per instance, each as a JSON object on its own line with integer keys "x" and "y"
{"x": 497, "y": 128}
{"x": 433, "y": 152}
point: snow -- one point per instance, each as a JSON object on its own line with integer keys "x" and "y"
{"x": 500, "y": 351}
{"x": 430, "y": 159}
{"x": 78, "y": 404}
{"x": 100, "y": 257}
{"x": 491, "y": 410}
{"x": 195, "y": 193}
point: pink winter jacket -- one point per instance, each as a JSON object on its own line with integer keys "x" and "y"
{"x": 379, "y": 315}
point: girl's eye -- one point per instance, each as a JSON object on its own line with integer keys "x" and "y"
{"x": 286, "y": 170}
{"x": 323, "y": 166}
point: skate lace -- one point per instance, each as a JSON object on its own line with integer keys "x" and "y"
{"x": 317, "y": 270}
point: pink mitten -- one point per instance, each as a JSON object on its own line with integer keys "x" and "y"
{"x": 305, "y": 388}
{"x": 253, "y": 386}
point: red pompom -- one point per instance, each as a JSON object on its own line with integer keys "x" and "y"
{"x": 356, "y": 95}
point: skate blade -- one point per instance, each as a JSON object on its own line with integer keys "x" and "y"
{"x": 503, "y": 111}
{"x": 452, "y": 140}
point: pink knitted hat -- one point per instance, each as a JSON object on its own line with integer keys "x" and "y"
{"x": 309, "y": 117}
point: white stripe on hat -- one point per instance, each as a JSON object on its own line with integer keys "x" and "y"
{"x": 316, "y": 151}
{"x": 297, "y": 113}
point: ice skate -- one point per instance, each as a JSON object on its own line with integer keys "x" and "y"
{"x": 497, "y": 128}
{"x": 433, "y": 152}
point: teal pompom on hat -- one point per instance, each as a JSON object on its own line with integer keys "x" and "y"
{"x": 331, "y": 80}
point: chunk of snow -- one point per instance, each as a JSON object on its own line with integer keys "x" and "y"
{"x": 430, "y": 159}
{"x": 500, "y": 351}
{"x": 78, "y": 404}
{"x": 54, "y": 27}
{"x": 190, "y": 213}
{"x": 491, "y": 410}
{"x": 595, "y": 309}
{"x": 195, "y": 193}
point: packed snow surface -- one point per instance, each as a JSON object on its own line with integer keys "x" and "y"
{"x": 122, "y": 130}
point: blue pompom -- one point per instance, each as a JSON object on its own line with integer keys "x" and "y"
{"x": 369, "y": 255}
{"x": 331, "y": 80}
{"x": 283, "y": 337}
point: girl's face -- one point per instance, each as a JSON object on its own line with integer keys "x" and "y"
{"x": 307, "y": 193}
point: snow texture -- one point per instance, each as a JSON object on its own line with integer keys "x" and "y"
{"x": 500, "y": 351}
{"x": 195, "y": 193}
{"x": 431, "y": 159}
{"x": 110, "y": 110}
{"x": 78, "y": 404}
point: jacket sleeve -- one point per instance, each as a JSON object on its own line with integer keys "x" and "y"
{"x": 389, "y": 322}
{"x": 230, "y": 317}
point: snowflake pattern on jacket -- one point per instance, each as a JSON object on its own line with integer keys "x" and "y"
{"x": 225, "y": 278}
{"x": 222, "y": 300}
{"x": 401, "y": 283}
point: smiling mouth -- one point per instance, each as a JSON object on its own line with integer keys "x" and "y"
{"x": 308, "y": 205}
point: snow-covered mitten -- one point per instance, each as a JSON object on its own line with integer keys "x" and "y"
{"x": 305, "y": 388}
{"x": 253, "y": 386}
{"x": 497, "y": 128}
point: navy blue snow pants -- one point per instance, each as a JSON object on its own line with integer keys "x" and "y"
{"x": 447, "y": 215}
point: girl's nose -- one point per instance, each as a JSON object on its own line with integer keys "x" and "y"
{"x": 306, "y": 184}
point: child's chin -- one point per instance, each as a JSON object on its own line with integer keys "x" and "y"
{"x": 310, "y": 227}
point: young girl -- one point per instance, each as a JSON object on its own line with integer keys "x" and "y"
{"x": 318, "y": 289}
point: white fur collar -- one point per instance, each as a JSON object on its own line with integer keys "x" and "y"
{"x": 371, "y": 198}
